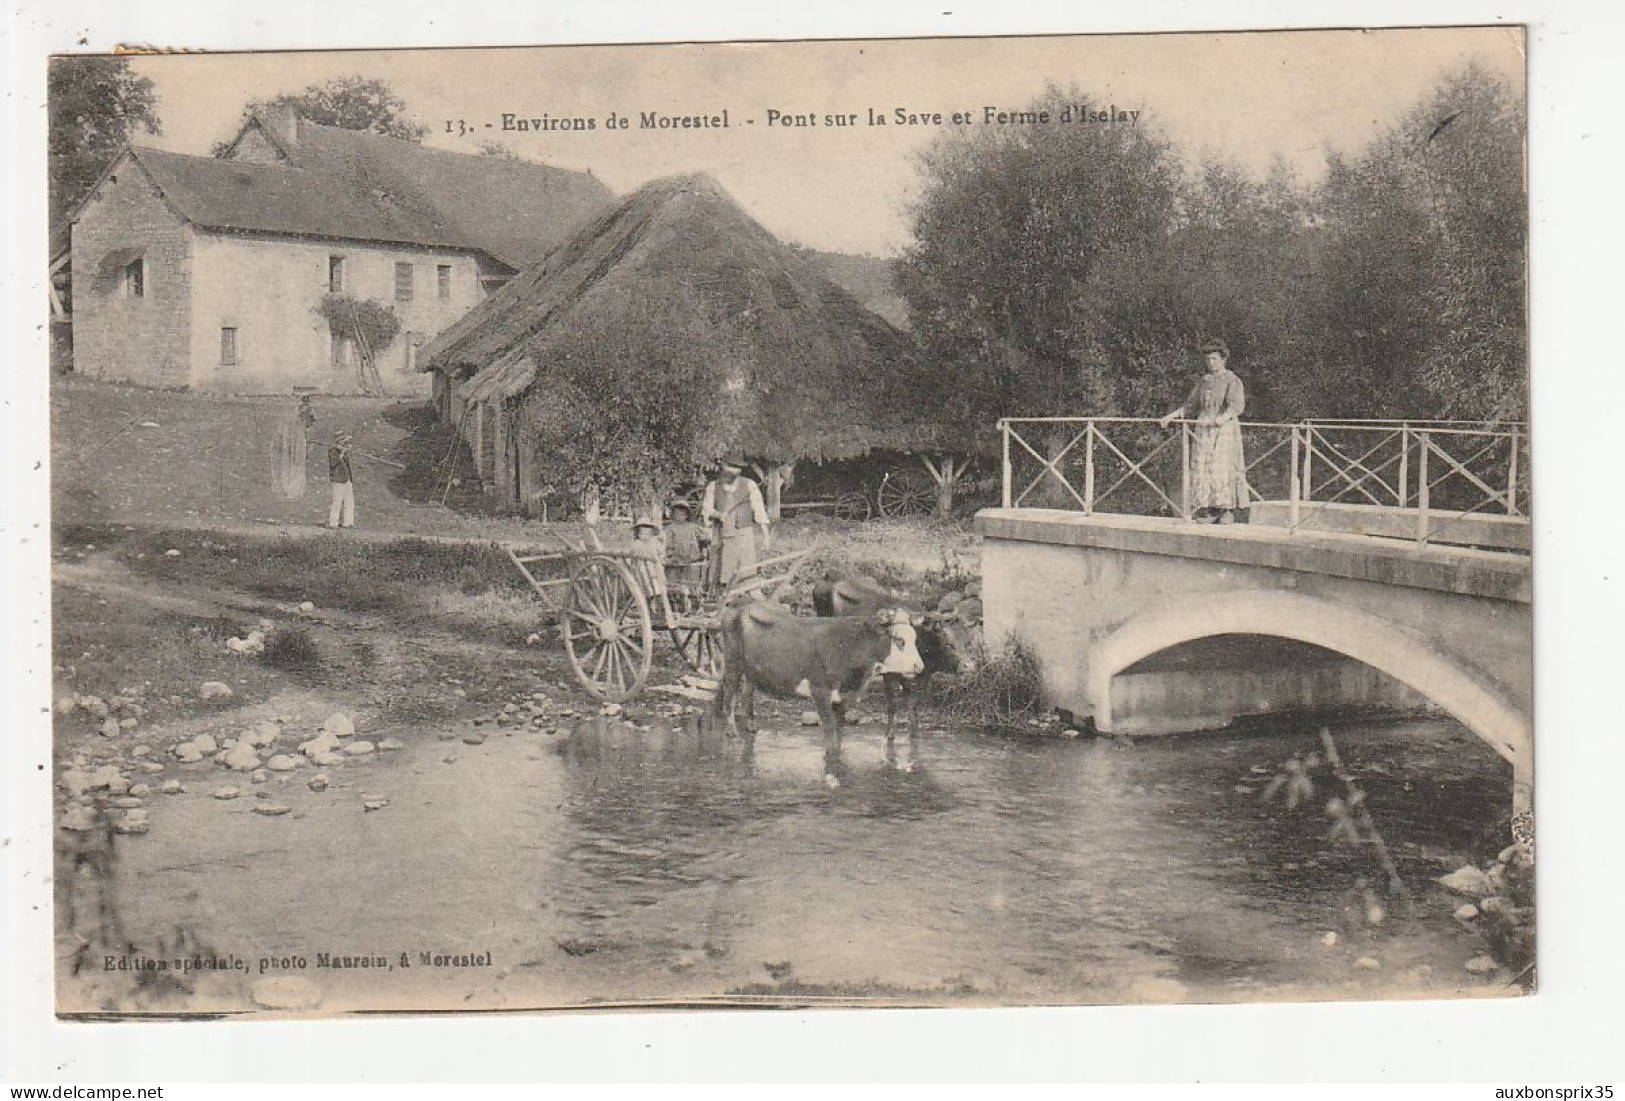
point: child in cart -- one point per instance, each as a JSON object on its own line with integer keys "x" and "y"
{"x": 685, "y": 557}
{"x": 648, "y": 555}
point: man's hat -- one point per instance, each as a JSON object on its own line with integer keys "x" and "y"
{"x": 645, "y": 522}
{"x": 681, "y": 506}
{"x": 733, "y": 459}
{"x": 1216, "y": 346}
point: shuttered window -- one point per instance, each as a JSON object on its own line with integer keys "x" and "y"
{"x": 403, "y": 282}
{"x": 228, "y": 347}
{"x": 443, "y": 274}
{"x": 335, "y": 274}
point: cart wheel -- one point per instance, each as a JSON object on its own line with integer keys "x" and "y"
{"x": 852, "y": 505}
{"x": 607, "y": 630}
{"x": 700, "y": 648}
{"x": 905, "y": 493}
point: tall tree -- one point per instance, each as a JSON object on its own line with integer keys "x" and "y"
{"x": 349, "y": 103}
{"x": 95, "y": 105}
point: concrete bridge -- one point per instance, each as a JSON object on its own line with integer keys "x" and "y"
{"x": 1109, "y": 603}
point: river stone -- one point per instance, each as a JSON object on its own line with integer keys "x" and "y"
{"x": 282, "y": 763}
{"x": 227, "y": 793}
{"x": 1329, "y": 939}
{"x": 132, "y": 827}
{"x": 109, "y": 777}
{"x": 809, "y": 718}
{"x": 140, "y": 750}
{"x": 328, "y": 760}
{"x": 170, "y": 787}
{"x": 188, "y": 753}
{"x": 339, "y": 725}
{"x": 214, "y": 690}
{"x": 110, "y": 728}
{"x": 95, "y": 706}
{"x": 321, "y": 743}
{"x": 271, "y": 810}
{"x": 286, "y": 992}
{"x": 242, "y": 758}
{"x": 260, "y": 776}
{"x": 129, "y": 723}
{"x": 359, "y": 749}
{"x": 374, "y": 804}
{"x": 391, "y": 744}
{"x": 1466, "y": 913}
{"x": 80, "y": 819}
{"x": 1368, "y": 963}
{"x": 1481, "y": 965}
{"x": 172, "y": 553}
{"x": 474, "y": 739}
{"x": 150, "y": 767}
{"x": 1468, "y": 880}
{"x": 140, "y": 791}
{"x": 205, "y": 743}
{"x": 317, "y": 782}
{"x": 306, "y": 606}
{"x": 263, "y": 734}
{"x": 67, "y": 705}
{"x": 75, "y": 781}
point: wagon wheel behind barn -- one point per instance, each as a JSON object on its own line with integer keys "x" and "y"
{"x": 607, "y": 630}
{"x": 853, "y": 505}
{"x": 906, "y": 493}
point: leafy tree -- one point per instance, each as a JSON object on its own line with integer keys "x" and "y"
{"x": 95, "y": 104}
{"x": 349, "y": 103}
{"x": 1425, "y": 259}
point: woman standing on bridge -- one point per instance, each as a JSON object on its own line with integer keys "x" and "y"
{"x": 1218, "y": 475}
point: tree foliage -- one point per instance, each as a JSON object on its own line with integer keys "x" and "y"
{"x": 1071, "y": 268}
{"x": 349, "y": 103}
{"x": 95, "y": 105}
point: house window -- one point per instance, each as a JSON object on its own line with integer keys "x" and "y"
{"x": 443, "y": 273}
{"x": 228, "y": 347}
{"x": 335, "y": 274}
{"x": 135, "y": 278}
{"x": 403, "y": 282}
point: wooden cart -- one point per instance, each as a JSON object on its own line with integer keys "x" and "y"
{"x": 610, "y": 609}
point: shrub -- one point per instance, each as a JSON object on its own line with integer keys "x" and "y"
{"x": 1006, "y": 689}
{"x": 292, "y": 648}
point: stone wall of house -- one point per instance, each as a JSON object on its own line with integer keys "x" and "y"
{"x": 117, "y": 334}
{"x": 268, "y": 288}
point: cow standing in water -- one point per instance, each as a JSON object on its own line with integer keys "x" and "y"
{"x": 943, "y": 644}
{"x": 767, "y": 647}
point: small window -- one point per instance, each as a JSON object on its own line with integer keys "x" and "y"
{"x": 335, "y": 274}
{"x": 443, "y": 273}
{"x": 228, "y": 347}
{"x": 135, "y": 279}
{"x": 403, "y": 282}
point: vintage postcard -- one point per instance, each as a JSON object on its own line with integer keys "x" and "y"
{"x": 933, "y": 522}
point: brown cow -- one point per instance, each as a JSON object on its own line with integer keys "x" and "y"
{"x": 767, "y": 647}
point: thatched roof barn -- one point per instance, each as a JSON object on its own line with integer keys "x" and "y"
{"x": 677, "y": 288}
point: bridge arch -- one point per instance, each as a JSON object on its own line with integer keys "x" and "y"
{"x": 1356, "y": 634}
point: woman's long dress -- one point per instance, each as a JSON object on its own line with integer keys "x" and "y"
{"x": 1218, "y": 464}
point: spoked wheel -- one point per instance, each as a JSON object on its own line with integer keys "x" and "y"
{"x": 607, "y": 630}
{"x": 853, "y": 505}
{"x": 906, "y": 493}
{"x": 700, "y": 648}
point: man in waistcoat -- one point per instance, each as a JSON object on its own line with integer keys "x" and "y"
{"x": 733, "y": 508}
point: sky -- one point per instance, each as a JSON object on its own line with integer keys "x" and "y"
{"x": 1245, "y": 97}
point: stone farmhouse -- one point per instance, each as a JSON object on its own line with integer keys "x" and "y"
{"x": 208, "y": 272}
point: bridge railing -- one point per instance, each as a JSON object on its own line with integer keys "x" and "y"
{"x": 1434, "y": 474}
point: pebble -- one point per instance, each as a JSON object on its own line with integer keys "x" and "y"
{"x": 318, "y": 782}
{"x": 1466, "y": 913}
{"x": 359, "y": 749}
{"x": 172, "y": 553}
{"x": 205, "y": 743}
{"x": 227, "y": 793}
{"x": 391, "y": 744}
{"x": 140, "y": 791}
{"x": 124, "y": 802}
{"x": 140, "y": 751}
{"x": 1468, "y": 880}
{"x": 809, "y": 718}
{"x": 374, "y": 804}
{"x": 75, "y": 782}
{"x": 150, "y": 767}
{"x": 171, "y": 787}
{"x": 1481, "y": 965}
{"x": 282, "y": 763}
{"x": 473, "y": 739}
{"x": 241, "y": 757}
{"x": 1367, "y": 963}
{"x": 321, "y": 743}
{"x": 188, "y": 753}
{"x": 1329, "y": 939}
{"x": 260, "y": 776}
{"x": 135, "y": 827}
{"x": 214, "y": 690}
{"x": 339, "y": 725}
{"x": 306, "y": 606}
{"x": 286, "y": 992}
{"x": 450, "y": 758}
{"x": 271, "y": 810}
{"x": 328, "y": 760}
{"x": 263, "y": 734}
{"x": 79, "y": 819}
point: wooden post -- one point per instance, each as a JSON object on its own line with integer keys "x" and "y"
{"x": 1422, "y": 489}
{"x": 774, "y": 491}
{"x": 1184, "y": 470}
{"x": 1089, "y": 468}
{"x": 1292, "y": 488}
{"x": 1308, "y": 462}
{"x": 1004, "y": 432}
{"x": 1404, "y": 464}
{"x": 1512, "y": 477}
